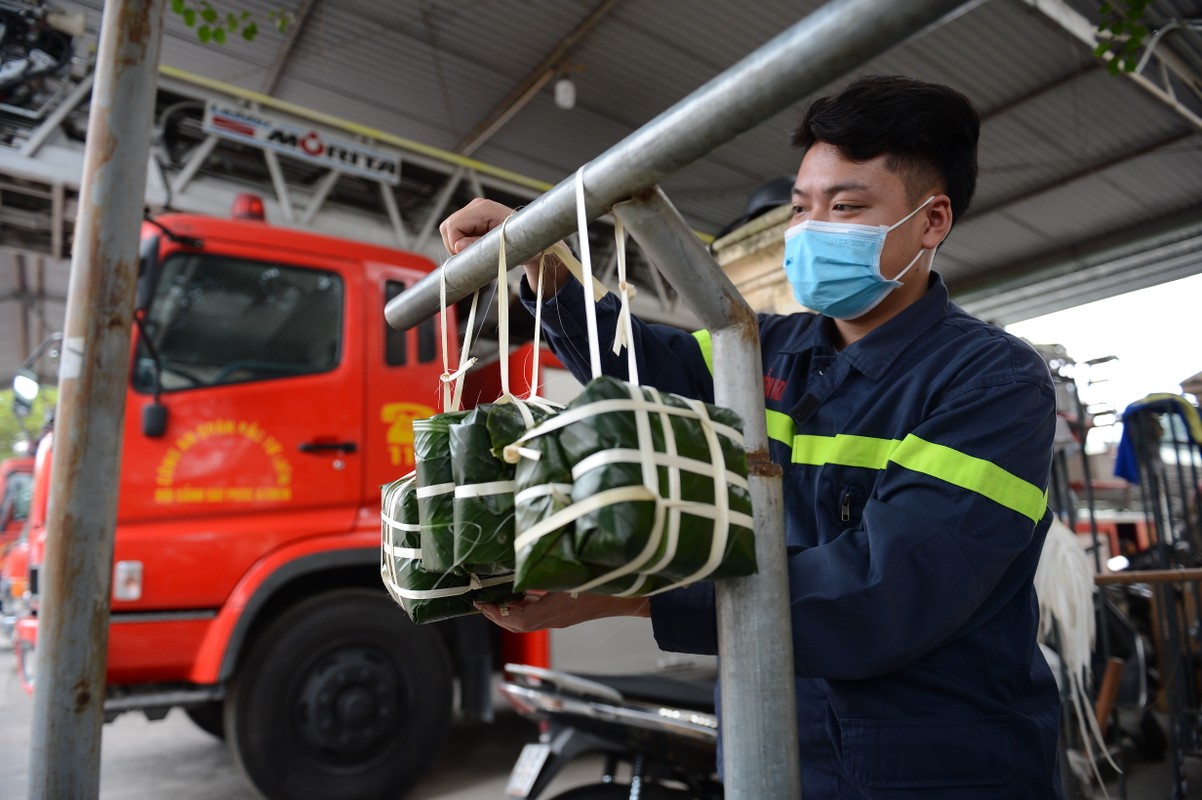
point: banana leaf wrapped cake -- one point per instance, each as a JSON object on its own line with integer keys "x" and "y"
{"x": 436, "y": 489}
{"x": 631, "y": 491}
{"x": 426, "y": 596}
{"x": 484, "y": 484}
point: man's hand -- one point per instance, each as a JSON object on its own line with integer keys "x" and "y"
{"x": 536, "y": 611}
{"x": 480, "y": 216}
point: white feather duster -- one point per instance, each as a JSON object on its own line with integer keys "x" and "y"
{"x": 1064, "y": 585}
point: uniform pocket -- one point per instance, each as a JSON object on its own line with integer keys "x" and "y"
{"x": 917, "y": 753}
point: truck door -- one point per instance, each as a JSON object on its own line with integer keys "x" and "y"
{"x": 261, "y": 371}
{"x": 403, "y": 369}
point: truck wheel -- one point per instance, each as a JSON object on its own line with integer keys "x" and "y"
{"x": 208, "y": 718}
{"x": 341, "y": 697}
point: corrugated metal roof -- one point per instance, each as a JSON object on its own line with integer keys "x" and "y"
{"x": 1069, "y": 152}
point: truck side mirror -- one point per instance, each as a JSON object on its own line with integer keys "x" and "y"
{"x": 25, "y": 391}
{"x": 154, "y": 419}
{"x": 148, "y": 272}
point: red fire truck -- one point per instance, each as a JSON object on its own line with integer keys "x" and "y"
{"x": 267, "y": 402}
{"x": 16, "y": 476}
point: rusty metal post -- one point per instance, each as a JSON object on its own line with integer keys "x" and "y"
{"x": 77, "y": 570}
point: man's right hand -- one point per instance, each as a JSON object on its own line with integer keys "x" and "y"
{"x": 543, "y": 610}
{"x": 480, "y": 216}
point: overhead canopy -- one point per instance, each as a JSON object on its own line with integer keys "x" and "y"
{"x": 1089, "y": 184}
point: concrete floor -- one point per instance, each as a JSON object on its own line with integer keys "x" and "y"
{"x": 142, "y": 760}
{"x": 172, "y": 758}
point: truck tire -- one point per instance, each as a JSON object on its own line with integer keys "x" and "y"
{"x": 209, "y": 718}
{"x": 340, "y": 698}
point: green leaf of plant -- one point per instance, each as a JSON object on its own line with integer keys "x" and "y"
{"x": 177, "y": 6}
{"x": 231, "y": 21}
{"x": 190, "y": 17}
{"x": 219, "y": 35}
{"x": 209, "y": 14}
{"x": 1101, "y": 49}
{"x": 245, "y": 16}
{"x": 204, "y": 33}
{"x": 250, "y": 31}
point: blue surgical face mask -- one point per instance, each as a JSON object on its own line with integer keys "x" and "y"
{"x": 835, "y": 267}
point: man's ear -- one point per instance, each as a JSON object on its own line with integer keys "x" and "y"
{"x": 939, "y": 221}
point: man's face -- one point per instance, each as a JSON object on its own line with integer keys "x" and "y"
{"x": 830, "y": 188}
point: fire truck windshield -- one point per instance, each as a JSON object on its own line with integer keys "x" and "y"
{"x": 216, "y": 320}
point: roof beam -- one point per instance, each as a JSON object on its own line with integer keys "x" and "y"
{"x": 528, "y": 88}
{"x": 1094, "y": 166}
{"x": 1078, "y": 26}
{"x": 1082, "y": 272}
{"x": 293, "y": 36}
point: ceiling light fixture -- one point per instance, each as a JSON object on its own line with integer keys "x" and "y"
{"x": 565, "y": 93}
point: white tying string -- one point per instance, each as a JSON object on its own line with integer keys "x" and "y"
{"x": 484, "y": 489}
{"x": 400, "y": 526}
{"x": 503, "y": 334}
{"x": 624, "y": 334}
{"x": 565, "y": 516}
{"x": 664, "y": 532}
{"x": 642, "y": 424}
{"x": 559, "y": 491}
{"x": 451, "y": 399}
{"x": 672, "y": 461}
{"x": 586, "y": 261}
{"x": 721, "y": 507}
{"x": 425, "y": 492}
{"x": 391, "y": 531}
{"x": 472, "y": 585}
{"x": 538, "y": 329}
{"x": 588, "y": 410}
{"x": 503, "y": 310}
{"x": 445, "y": 379}
{"x": 411, "y": 553}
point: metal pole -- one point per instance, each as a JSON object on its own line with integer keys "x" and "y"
{"x": 759, "y": 710}
{"x": 829, "y": 43}
{"x": 74, "y": 617}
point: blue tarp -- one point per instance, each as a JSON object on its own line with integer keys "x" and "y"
{"x": 1126, "y": 465}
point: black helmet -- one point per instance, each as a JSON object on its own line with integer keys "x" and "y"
{"x": 771, "y": 194}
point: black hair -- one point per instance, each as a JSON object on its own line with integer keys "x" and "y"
{"x": 926, "y": 131}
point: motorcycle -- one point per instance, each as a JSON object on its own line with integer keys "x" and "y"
{"x": 35, "y": 44}
{"x": 658, "y": 733}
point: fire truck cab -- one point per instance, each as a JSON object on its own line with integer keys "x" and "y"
{"x": 267, "y": 402}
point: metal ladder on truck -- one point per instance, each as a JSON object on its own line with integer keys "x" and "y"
{"x": 213, "y": 141}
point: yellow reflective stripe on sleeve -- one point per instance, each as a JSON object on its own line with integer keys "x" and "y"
{"x": 844, "y": 449}
{"x": 707, "y": 348}
{"x": 974, "y": 474}
{"x": 914, "y": 453}
{"x": 780, "y": 427}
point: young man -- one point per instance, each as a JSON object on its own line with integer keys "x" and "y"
{"x": 916, "y": 442}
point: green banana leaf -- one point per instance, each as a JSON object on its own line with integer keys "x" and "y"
{"x": 615, "y": 535}
{"x": 436, "y": 512}
{"x": 426, "y": 596}
{"x": 483, "y": 506}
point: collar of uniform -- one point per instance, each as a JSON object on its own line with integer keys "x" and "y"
{"x": 873, "y": 354}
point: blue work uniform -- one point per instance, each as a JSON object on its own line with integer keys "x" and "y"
{"x": 916, "y": 462}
